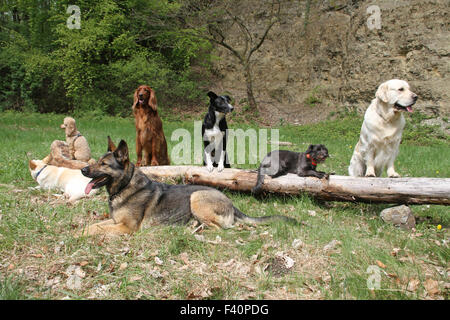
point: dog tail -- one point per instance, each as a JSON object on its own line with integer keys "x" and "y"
{"x": 240, "y": 216}
{"x": 257, "y": 188}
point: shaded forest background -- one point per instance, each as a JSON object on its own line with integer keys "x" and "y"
{"x": 47, "y": 67}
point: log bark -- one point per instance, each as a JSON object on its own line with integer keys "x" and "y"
{"x": 337, "y": 188}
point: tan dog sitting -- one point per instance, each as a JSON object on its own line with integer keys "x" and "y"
{"x": 78, "y": 145}
{"x": 74, "y": 153}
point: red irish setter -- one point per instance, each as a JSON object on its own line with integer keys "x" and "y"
{"x": 149, "y": 130}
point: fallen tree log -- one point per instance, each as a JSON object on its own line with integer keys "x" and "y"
{"x": 337, "y": 188}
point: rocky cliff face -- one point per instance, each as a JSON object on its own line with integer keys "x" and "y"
{"x": 304, "y": 74}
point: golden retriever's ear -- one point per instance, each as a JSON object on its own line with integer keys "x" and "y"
{"x": 152, "y": 100}
{"x": 32, "y": 165}
{"x": 111, "y": 145}
{"x": 382, "y": 92}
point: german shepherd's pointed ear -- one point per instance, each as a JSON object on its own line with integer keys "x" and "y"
{"x": 212, "y": 95}
{"x": 310, "y": 149}
{"x": 111, "y": 145}
{"x": 121, "y": 153}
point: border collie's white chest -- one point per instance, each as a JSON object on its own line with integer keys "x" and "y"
{"x": 214, "y": 133}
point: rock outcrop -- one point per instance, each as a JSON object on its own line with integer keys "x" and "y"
{"x": 316, "y": 64}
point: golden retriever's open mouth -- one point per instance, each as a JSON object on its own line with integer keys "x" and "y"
{"x": 96, "y": 183}
{"x": 403, "y": 108}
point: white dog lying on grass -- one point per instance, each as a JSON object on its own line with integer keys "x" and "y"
{"x": 70, "y": 181}
{"x": 381, "y": 131}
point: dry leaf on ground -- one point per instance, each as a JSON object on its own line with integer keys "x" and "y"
{"x": 413, "y": 285}
{"x": 75, "y": 274}
{"x": 158, "y": 261}
{"x": 432, "y": 286}
{"x": 123, "y": 266}
{"x": 331, "y": 245}
{"x": 297, "y": 243}
{"x": 184, "y": 257}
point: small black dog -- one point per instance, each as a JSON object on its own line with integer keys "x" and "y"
{"x": 214, "y": 132}
{"x": 281, "y": 162}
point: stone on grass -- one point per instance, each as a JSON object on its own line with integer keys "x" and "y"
{"x": 400, "y": 216}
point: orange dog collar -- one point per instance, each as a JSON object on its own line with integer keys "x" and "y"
{"x": 314, "y": 163}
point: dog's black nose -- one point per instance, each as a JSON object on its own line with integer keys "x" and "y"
{"x": 85, "y": 170}
{"x": 415, "y": 97}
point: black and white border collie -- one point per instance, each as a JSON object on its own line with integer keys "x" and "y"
{"x": 214, "y": 132}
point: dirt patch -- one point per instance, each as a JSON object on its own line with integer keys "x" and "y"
{"x": 277, "y": 267}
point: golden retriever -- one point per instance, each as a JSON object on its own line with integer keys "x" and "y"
{"x": 381, "y": 131}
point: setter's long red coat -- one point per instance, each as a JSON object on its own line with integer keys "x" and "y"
{"x": 150, "y": 139}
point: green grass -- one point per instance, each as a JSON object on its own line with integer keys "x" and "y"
{"x": 37, "y": 243}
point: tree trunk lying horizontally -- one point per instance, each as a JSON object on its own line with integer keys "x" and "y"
{"x": 337, "y": 188}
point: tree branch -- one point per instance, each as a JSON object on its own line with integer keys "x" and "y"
{"x": 244, "y": 30}
{"x": 271, "y": 24}
{"x": 261, "y": 40}
{"x": 222, "y": 42}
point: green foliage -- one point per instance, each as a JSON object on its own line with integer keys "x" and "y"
{"x": 29, "y": 81}
{"x": 47, "y": 67}
{"x": 313, "y": 97}
{"x": 11, "y": 289}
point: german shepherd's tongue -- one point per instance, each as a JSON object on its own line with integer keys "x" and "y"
{"x": 89, "y": 187}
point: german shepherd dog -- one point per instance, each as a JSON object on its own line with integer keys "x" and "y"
{"x": 135, "y": 201}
